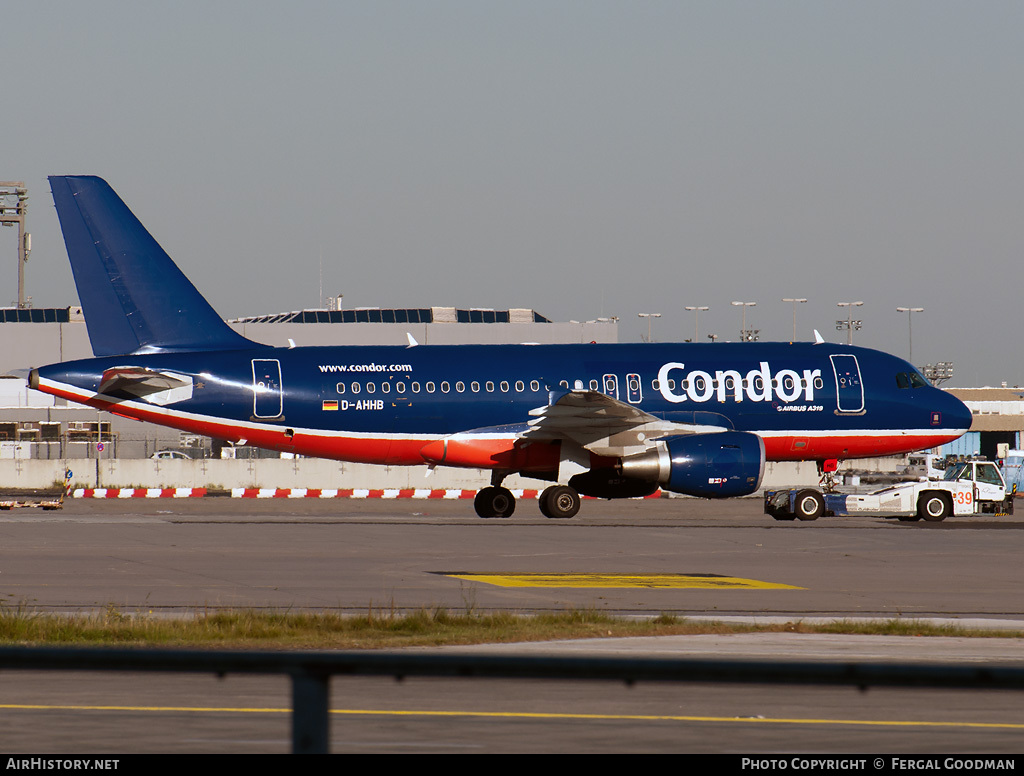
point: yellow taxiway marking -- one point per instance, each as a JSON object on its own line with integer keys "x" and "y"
{"x": 536, "y": 715}
{"x": 692, "y": 581}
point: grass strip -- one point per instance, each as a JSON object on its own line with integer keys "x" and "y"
{"x": 387, "y": 629}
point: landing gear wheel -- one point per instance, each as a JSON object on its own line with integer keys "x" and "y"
{"x": 934, "y": 507}
{"x": 559, "y": 501}
{"x": 809, "y": 505}
{"x": 495, "y": 502}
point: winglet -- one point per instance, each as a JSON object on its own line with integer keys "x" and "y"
{"x": 818, "y": 339}
{"x": 412, "y": 340}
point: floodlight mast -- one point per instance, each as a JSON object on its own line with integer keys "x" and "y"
{"x": 849, "y": 324}
{"x": 13, "y": 205}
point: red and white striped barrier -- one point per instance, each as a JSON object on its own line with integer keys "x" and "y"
{"x": 439, "y": 493}
{"x": 138, "y": 493}
{"x": 388, "y": 493}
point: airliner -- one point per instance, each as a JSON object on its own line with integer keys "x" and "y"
{"x": 602, "y": 420}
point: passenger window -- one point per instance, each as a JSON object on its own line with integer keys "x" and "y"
{"x": 520, "y": 386}
{"x": 534, "y": 386}
{"x": 489, "y": 386}
{"x": 504, "y": 386}
{"x": 445, "y": 387}
{"x": 430, "y": 387}
{"x": 474, "y": 387}
{"x": 341, "y": 387}
{"x": 415, "y": 387}
{"x": 460, "y": 386}
{"x": 371, "y": 387}
{"x": 385, "y": 387}
{"x": 400, "y": 387}
{"x": 355, "y": 387}
{"x": 594, "y": 385}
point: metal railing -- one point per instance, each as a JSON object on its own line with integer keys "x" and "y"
{"x": 310, "y": 672}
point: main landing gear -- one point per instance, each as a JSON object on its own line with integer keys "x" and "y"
{"x": 495, "y": 502}
{"x": 557, "y": 502}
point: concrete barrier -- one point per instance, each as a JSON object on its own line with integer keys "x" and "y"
{"x": 274, "y": 473}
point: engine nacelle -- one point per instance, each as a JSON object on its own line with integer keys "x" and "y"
{"x": 722, "y": 465}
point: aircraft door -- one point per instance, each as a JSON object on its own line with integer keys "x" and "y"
{"x": 268, "y": 401}
{"x": 849, "y": 389}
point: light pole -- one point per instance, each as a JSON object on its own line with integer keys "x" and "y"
{"x": 910, "y": 328}
{"x": 696, "y": 319}
{"x": 795, "y": 303}
{"x": 849, "y": 324}
{"x": 648, "y": 316}
{"x": 746, "y": 335}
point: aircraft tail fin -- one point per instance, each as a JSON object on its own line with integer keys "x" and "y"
{"x": 133, "y": 295}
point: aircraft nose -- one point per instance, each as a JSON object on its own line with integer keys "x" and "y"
{"x": 955, "y": 414}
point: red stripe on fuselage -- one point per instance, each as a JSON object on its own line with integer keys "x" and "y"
{"x": 801, "y": 448}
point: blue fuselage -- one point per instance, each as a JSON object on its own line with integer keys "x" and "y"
{"x": 807, "y": 401}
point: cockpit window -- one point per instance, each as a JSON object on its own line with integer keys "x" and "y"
{"x": 910, "y": 380}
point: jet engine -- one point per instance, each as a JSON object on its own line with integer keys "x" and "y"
{"x": 722, "y": 465}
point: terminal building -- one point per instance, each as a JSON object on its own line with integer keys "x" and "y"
{"x": 998, "y": 419}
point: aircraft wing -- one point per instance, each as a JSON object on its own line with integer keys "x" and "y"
{"x": 606, "y": 426}
{"x": 153, "y": 386}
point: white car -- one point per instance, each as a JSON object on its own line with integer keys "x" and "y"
{"x": 164, "y": 455}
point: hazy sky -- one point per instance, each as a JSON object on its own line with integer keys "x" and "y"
{"x": 582, "y": 158}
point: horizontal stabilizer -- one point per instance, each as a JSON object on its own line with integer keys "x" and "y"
{"x": 155, "y": 387}
{"x": 133, "y": 296}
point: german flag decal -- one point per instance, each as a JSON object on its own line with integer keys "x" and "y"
{"x": 330, "y": 404}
